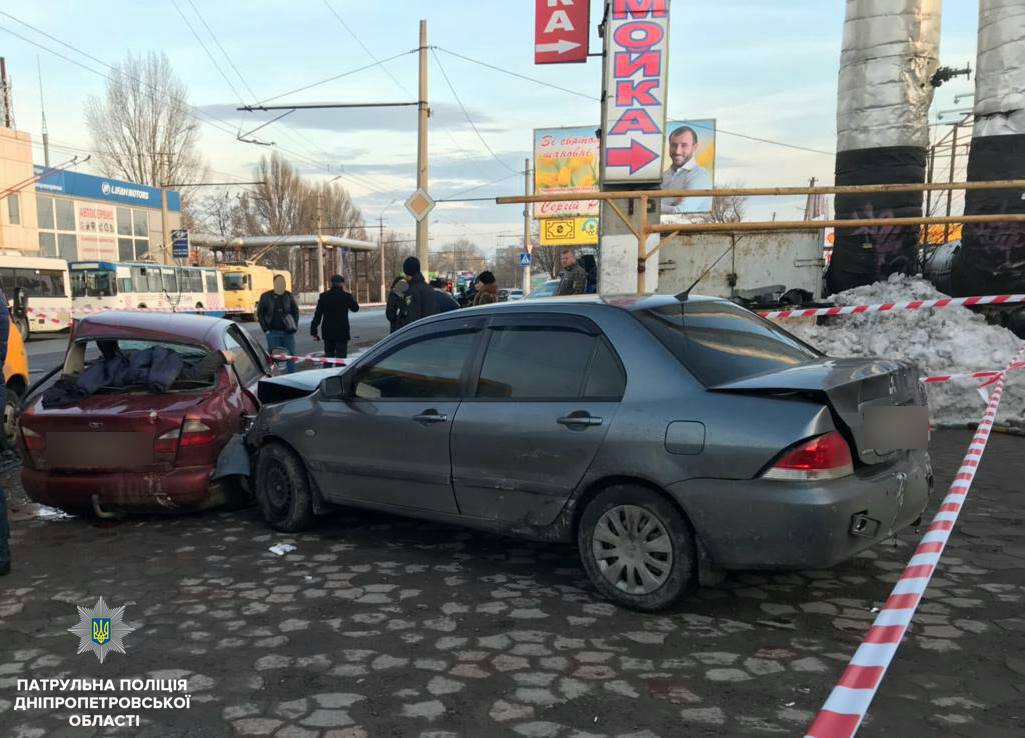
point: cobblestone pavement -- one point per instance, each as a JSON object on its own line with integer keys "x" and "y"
{"x": 381, "y": 626}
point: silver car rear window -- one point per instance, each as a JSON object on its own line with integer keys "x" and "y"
{"x": 720, "y": 342}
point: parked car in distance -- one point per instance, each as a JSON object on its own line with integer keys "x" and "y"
{"x": 667, "y": 438}
{"x": 132, "y": 448}
{"x": 548, "y": 289}
{"x": 514, "y": 294}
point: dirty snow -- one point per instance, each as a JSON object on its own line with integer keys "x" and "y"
{"x": 949, "y": 340}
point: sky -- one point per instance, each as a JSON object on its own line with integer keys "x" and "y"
{"x": 765, "y": 69}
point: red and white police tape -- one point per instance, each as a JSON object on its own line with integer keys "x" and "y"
{"x": 886, "y": 307}
{"x": 990, "y": 374}
{"x": 847, "y": 704}
{"x": 310, "y": 358}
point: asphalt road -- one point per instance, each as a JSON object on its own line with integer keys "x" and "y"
{"x": 368, "y": 327}
{"x": 377, "y": 625}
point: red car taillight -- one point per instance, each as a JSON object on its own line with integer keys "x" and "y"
{"x": 195, "y": 433}
{"x": 33, "y": 441}
{"x": 192, "y": 434}
{"x": 168, "y": 442}
{"x": 823, "y": 457}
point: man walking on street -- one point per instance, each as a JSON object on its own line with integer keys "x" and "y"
{"x": 5, "y": 551}
{"x": 278, "y": 313}
{"x": 420, "y": 299}
{"x": 333, "y": 309}
{"x": 574, "y": 277}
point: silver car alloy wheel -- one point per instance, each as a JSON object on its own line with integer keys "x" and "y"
{"x": 632, "y": 549}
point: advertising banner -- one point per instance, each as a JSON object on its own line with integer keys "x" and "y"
{"x": 689, "y": 164}
{"x": 566, "y": 161}
{"x": 569, "y": 232}
{"x": 96, "y": 231}
{"x": 634, "y": 107}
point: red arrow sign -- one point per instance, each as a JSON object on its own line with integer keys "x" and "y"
{"x": 561, "y": 31}
{"x": 636, "y": 156}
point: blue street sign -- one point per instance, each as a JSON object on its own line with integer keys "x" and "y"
{"x": 526, "y": 259}
{"x": 180, "y": 244}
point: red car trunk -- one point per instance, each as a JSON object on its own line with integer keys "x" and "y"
{"x": 108, "y": 432}
{"x": 129, "y": 448}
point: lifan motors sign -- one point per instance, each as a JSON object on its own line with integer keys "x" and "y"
{"x": 561, "y": 31}
{"x": 634, "y": 110}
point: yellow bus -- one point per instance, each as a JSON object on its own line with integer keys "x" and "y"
{"x": 243, "y": 285}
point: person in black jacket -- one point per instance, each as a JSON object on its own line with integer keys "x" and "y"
{"x": 333, "y": 309}
{"x": 420, "y": 300}
{"x": 446, "y": 301}
{"x": 278, "y": 313}
{"x": 396, "y": 302}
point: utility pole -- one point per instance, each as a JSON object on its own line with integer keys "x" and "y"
{"x": 42, "y": 107}
{"x": 809, "y": 204}
{"x": 5, "y": 95}
{"x": 526, "y": 226}
{"x": 950, "y": 193}
{"x": 320, "y": 243}
{"x": 421, "y": 148}
{"x": 380, "y": 254}
{"x": 165, "y": 225}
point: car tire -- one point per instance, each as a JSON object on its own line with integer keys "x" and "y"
{"x": 283, "y": 489}
{"x": 660, "y": 561}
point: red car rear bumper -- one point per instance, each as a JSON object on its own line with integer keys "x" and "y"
{"x": 178, "y": 490}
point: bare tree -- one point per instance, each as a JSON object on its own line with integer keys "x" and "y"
{"x": 547, "y": 258}
{"x": 727, "y": 208}
{"x": 281, "y": 205}
{"x": 461, "y": 255}
{"x": 141, "y": 127}
{"x": 219, "y": 213}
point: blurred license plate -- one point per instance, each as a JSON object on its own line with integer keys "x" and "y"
{"x": 97, "y": 450}
{"x": 891, "y": 428}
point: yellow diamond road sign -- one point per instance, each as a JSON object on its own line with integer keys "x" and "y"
{"x": 420, "y": 204}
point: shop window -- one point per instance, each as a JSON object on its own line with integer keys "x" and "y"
{"x": 124, "y": 222}
{"x": 48, "y": 243}
{"x": 13, "y": 209}
{"x": 44, "y": 212}
{"x": 141, "y": 223}
{"x": 65, "y": 215}
{"x": 67, "y": 244}
{"x": 124, "y": 250}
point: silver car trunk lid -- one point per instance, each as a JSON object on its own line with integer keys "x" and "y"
{"x": 849, "y": 386}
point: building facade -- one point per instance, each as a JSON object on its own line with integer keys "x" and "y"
{"x": 75, "y": 216}
{"x": 84, "y": 217}
{"x": 17, "y": 195}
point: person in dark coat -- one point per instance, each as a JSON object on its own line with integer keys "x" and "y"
{"x": 446, "y": 301}
{"x": 487, "y": 291}
{"x": 278, "y": 313}
{"x": 420, "y": 301}
{"x": 396, "y": 302}
{"x": 333, "y": 308}
{"x": 5, "y": 327}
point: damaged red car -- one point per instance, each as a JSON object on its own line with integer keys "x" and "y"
{"x": 139, "y": 416}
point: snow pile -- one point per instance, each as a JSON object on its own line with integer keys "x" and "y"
{"x": 949, "y": 340}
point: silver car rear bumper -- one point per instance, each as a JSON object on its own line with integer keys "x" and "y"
{"x": 764, "y": 524}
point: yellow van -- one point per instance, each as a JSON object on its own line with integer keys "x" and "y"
{"x": 243, "y": 285}
{"x": 16, "y": 380}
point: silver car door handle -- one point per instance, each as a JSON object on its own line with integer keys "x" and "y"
{"x": 431, "y": 418}
{"x": 580, "y": 420}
